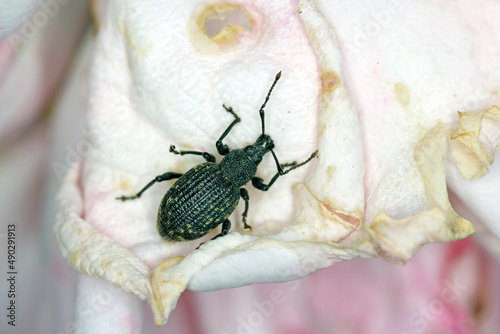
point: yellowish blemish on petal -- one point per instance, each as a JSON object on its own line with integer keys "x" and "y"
{"x": 134, "y": 44}
{"x": 330, "y": 172}
{"x": 402, "y": 94}
{"x": 125, "y": 185}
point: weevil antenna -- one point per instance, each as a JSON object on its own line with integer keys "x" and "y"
{"x": 261, "y": 110}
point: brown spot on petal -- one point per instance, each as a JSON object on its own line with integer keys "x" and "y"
{"x": 94, "y": 15}
{"x": 330, "y": 81}
{"x": 478, "y": 308}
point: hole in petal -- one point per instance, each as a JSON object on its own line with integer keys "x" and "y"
{"x": 219, "y": 23}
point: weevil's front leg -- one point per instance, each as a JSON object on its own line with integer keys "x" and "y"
{"x": 207, "y": 156}
{"x": 159, "y": 178}
{"x": 258, "y": 182}
{"x": 246, "y": 198}
{"x": 223, "y": 149}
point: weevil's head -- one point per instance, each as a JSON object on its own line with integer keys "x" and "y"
{"x": 257, "y": 150}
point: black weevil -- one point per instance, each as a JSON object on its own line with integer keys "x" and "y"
{"x": 206, "y": 195}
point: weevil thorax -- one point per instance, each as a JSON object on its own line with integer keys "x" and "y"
{"x": 241, "y": 164}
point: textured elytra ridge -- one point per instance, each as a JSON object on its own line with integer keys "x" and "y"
{"x": 377, "y": 189}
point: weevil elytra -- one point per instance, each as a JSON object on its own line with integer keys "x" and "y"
{"x": 206, "y": 195}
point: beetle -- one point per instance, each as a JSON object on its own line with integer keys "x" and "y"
{"x": 206, "y": 195}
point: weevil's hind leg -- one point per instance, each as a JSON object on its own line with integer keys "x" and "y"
{"x": 246, "y": 198}
{"x": 226, "y": 225}
{"x": 258, "y": 182}
{"x": 207, "y": 156}
{"x": 160, "y": 178}
{"x": 223, "y": 149}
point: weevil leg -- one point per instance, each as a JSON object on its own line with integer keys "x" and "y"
{"x": 207, "y": 156}
{"x": 226, "y": 225}
{"x": 246, "y": 198}
{"x": 258, "y": 182}
{"x": 223, "y": 149}
{"x": 160, "y": 178}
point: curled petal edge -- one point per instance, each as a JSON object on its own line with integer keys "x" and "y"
{"x": 475, "y": 142}
{"x": 92, "y": 252}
